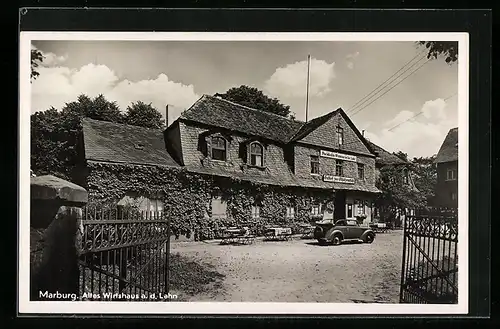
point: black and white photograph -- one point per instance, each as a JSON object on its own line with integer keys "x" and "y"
{"x": 241, "y": 172}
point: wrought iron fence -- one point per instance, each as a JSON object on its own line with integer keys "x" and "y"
{"x": 430, "y": 260}
{"x": 125, "y": 254}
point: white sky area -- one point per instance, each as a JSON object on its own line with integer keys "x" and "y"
{"x": 341, "y": 73}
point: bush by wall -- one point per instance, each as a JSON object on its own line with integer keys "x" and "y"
{"x": 187, "y": 197}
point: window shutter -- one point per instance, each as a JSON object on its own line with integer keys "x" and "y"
{"x": 208, "y": 141}
{"x": 263, "y": 156}
{"x": 249, "y": 157}
{"x": 228, "y": 148}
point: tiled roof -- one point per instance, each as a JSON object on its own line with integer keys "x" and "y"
{"x": 384, "y": 157}
{"x": 310, "y": 126}
{"x": 284, "y": 179}
{"x": 449, "y": 149}
{"x": 114, "y": 142}
{"x": 222, "y": 113}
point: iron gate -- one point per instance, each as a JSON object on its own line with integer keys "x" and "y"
{"x": 430, "y": 260}
{"x": 124, "y": 255}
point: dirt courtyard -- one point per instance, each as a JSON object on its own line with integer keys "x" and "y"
{"x": 301, "y": 270}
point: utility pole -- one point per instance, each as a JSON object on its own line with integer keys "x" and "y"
{"x": 307, "y": 89}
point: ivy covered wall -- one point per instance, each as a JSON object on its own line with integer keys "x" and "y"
{"x": 187, "y": 197}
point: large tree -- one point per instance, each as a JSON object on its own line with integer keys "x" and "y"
{"x": 36, "y": 59}
{"x": 144, "y": 115}
{"x": 446, "y": 49}
{"x": 54, "y": 133}
{"x": 255, "y": 98}
{"x": 396, "y": 195}
{"x": 425, "y": 176}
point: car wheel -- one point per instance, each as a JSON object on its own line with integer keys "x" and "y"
{"x": 369, "y": 238}
{"x": 337, "y": 239}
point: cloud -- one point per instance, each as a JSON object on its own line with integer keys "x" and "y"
{"x": 58, "y": 85}
{"x": 50, "y": 59}
{"x": 420, "y": 135}
{"x": 350, "y": 59}
{"x": 290, "y": 81}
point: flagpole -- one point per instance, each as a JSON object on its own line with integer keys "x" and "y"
{"x": 307, "y": 89}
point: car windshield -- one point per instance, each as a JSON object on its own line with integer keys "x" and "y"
{"x": 352, "y": 223}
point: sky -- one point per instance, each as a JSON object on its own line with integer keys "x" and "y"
{"x": 177, "y": 73}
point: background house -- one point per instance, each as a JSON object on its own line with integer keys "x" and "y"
{"x": 447, "y": 171}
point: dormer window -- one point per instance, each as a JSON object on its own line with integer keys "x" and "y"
{"x": 219, "y": 148}
{"x": 256, "y": 154}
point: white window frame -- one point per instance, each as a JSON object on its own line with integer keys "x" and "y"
{"x": 261, "y": 155}
{"x": 256, "y": 211}
{"x": 315, "y": 162}
{"x": 212, "y": 148}
{"x": 453, "y": 174}
{"x": 290, "y": 212}
{"x": 223, "y": 204}
{"x": 316, "y": 206}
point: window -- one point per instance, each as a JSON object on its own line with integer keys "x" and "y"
{"x": 405, "y": 176}
{"x": 256, "y": 152}
{"x": 255, "y": 211}
{"x": 218, "y": 148}
{"x": 316, "y": 209}
{"x": 361, "y": 171}
{"x": 341, "y": 223}
{"x": 454, "y": 196}
{"x": 290, "y": 212}
{"x": 340, "y": 135}
{"x": 360, "y": 209}
{"x": 149, "y": 208}
{"x": 451, "y": 174}
{"x": 315, "y": 164}
{"x": 218, "y": 207}
{"x": 338, "y": 168}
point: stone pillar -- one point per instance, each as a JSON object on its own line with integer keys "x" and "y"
{"x": 56, "y": 228}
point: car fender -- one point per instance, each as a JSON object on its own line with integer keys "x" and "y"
{"x": 329, "y": 235}
{"x": 362, "y": 237}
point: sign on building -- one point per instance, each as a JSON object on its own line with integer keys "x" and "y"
{"x": 338, "y": 179}
{"x": 338, "y": 156}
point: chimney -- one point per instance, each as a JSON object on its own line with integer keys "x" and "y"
{"x": 166, "y": 116}
{"x": 363, "y": 133}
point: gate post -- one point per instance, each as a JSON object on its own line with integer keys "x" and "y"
{"x": 403, "y": 262}
{"x": 55, "y": 238}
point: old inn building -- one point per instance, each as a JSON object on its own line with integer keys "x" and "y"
{"x": 257, "y": 165}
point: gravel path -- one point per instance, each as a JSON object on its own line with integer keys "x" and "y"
{"x": 302, "y": 271}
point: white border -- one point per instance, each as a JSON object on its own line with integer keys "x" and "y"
{"x": 27, "y": 306}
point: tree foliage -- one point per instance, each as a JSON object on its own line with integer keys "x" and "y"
{"x": 255, "y": 98}
{"x": 144, "y": 115}
{"x": 36, "y": 59}
{"x": 395, "y": 193}
{"x": 400, "y": 154}
{"x": 425, "y": 176}
{"x": 446, "y": 49}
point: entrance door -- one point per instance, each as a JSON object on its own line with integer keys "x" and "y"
{"x": 350, "y": 210}
{"x": 339, "y": 205}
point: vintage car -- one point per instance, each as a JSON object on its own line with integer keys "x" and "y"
{"x": 327, "y": 231}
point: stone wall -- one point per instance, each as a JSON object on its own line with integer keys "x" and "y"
{"x": 55, "y": 236}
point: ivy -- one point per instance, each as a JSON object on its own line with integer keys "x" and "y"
{"x": 187, "y": 196}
